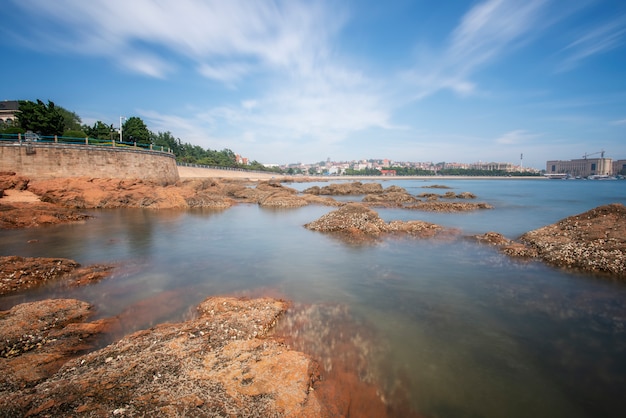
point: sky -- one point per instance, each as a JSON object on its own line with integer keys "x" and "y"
{"x": 519, "y": 81}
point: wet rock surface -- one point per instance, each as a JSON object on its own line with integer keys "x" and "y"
{"x": 593, "y": 241}
{"x": 20, "y": 273}
{"x": 37, "y": 338}
{"x": 220, "y": 363}
{"x": 27, "y": 215}
{"x": 348, "y": 351}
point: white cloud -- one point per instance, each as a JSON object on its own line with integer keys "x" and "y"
{"x": 227, "y": 73}
{"x": 281, "y": 33}
{"x": 598, "y": 40}
{"x": 516, "y": 137}
{"x": 619, "y": 122}
{"x": 488, "y": 31}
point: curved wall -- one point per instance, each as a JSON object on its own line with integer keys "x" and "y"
{"x": 63, "y": 160}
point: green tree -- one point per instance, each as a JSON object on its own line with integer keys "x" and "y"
{"x": 99, "y": 130}
{"x": 41, "y": 118}
{"x": 71, "y": 119}
{"x": 135, "y": 130}
{"x": 167, "y": 140}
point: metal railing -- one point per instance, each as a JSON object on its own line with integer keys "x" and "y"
{"x": 218, "y": 167}
{"x": 30, "y": 138}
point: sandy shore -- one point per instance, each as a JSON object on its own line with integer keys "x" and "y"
{"x": 197, "y": 172}
{"x": 12, "y": 196}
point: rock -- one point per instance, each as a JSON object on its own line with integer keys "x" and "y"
{"x": 219, "y": 364}
{"x": 9, "y": 180}
{"x": 419, "y": 229}
{"x": 37, "y": 338}
{"x": 434, "y": 206}
{"x": 436, "y": 186}
{"x": 27, "y": 215}
{"x": 345, "y": 189}
{"x": 593, "y": 241}
{"x": 516, "y": 249}
{"x": 357, "y": 219}
{"x": 274, "y": 194}
{"x": 282, "y": 200}
{"x": 506, "y": 246}
{"x": 20, "y": 273}
{"x": 351, "y": 218}
{"x": 492, "y": 238}
{"x": 447, "y": 195}
{"x": 59, "y": 198}
{"x": 391, "y": 196}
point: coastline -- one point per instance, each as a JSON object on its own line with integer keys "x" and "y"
{"x": 197, "y": 172}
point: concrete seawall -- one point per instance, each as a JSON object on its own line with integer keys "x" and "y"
{"x": 46, "y": 160}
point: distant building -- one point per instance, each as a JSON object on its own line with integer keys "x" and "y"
{"x": 241, "y": 160}
{"x": 8, "y": 111}
{"x": 582, "y": 167}
{"x": 494, "y": 166}
{"x": 619, "y": 167}
{"x": 387, "y": 172}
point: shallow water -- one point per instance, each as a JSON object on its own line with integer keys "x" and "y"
{"x": 463, "y": 330}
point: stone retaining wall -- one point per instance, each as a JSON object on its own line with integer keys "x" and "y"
{"x": 42, "y": 160}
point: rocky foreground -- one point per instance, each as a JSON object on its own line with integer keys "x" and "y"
{"x": 225, "y": 361}
{"x": 229, "y": 359}
{"x": 221, "y": 363}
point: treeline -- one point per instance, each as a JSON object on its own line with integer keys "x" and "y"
{"x": 48, "y": 119}
{"x": 364, "y": 172}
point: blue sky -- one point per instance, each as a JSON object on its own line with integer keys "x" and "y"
{"x": 301, "y": 81}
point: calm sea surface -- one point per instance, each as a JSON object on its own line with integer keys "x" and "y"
{"x": 463, "y": 330}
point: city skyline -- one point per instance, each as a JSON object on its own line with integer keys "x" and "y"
{"x": 288, "y": 81}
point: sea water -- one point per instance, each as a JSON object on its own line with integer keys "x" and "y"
{"x": 461, "y": 329}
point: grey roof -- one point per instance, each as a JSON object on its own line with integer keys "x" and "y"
{"x": 9, "y": 105}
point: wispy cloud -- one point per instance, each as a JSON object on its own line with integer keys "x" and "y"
{"x": 516, "y": 137}
{"x": 597, "y": 40}
{"x": 284, "y": 48}
{"x": 486, "y": 32}
{"x": 281, "y": 33}
{"x": 619, "y": 122}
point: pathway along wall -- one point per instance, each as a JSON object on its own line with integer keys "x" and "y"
{"x": 39, "y": 160}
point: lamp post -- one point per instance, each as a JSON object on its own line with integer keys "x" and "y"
{"x": 121, "y": 117}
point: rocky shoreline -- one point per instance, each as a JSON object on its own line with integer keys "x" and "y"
{"x": 234, "y": 356}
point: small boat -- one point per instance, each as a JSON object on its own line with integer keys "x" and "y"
{"x": 601, "y": 177}
{"x": 557, "y": 176}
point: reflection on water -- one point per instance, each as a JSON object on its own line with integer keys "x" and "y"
{"x": 451, "y": 328}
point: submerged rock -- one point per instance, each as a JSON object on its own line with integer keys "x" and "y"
{"x": 20, "y": 273}
{"x": 436, "y": 206}
{"x": 507, "y": 246}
